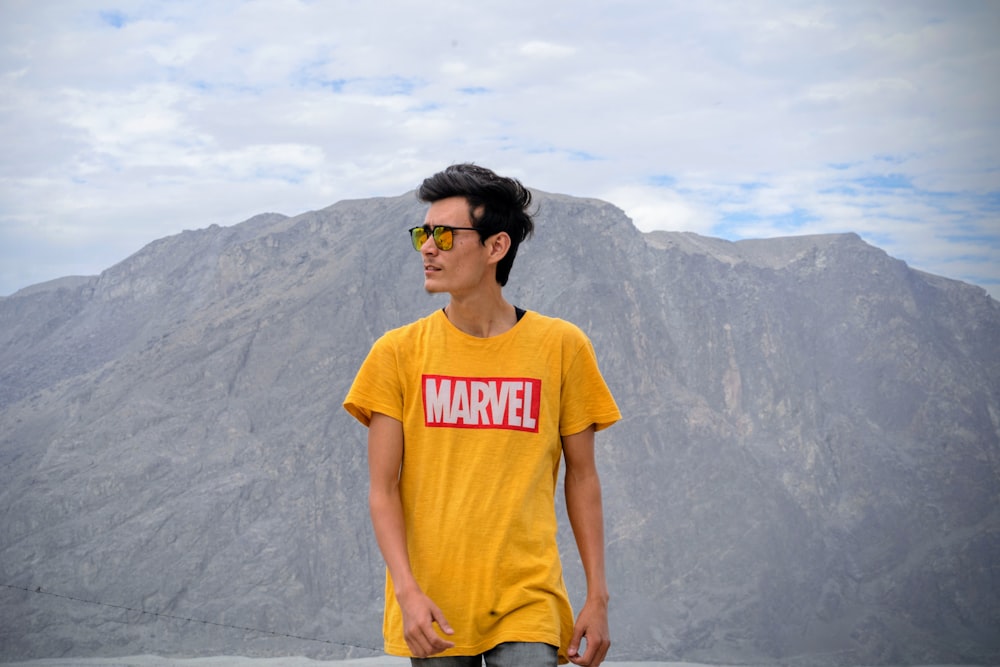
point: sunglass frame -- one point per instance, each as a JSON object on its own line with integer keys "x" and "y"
{"x": 434, "y": 233}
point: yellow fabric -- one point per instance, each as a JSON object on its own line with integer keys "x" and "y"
{"x": 482, "y": 422}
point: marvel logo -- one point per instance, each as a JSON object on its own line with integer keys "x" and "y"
{"x": 462, "y": 402}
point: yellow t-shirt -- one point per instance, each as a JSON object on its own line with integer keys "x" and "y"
{"x": 482, "y": 420}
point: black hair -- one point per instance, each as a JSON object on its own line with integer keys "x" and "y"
{"x": 501, "y": 202}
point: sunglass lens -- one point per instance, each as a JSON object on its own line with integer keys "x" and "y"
{"x": 444, "y": 238}
{"x": 418, "y": 235}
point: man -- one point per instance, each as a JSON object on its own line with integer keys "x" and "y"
{"x": 469, "y": 411}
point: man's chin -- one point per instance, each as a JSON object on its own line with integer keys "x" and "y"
{"x": 430, "y": 288}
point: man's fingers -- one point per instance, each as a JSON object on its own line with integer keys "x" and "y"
{"x": 419, "y": 617}
{"x": 438, "y": 616}
{"x": 433, "y": 644}
{"x": 574, "y": 643}
{"x": 594, "y": 651}
{"x": 425, "y": 642}
{"x": 597, "y": 652}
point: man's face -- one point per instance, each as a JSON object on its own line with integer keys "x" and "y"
{"x": 462, "y": 269}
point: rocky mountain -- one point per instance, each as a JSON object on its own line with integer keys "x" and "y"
{"x": 808, "y": 471}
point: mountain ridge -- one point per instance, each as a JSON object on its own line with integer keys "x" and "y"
{"x": 806, "y": 471}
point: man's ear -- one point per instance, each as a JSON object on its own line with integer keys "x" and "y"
{"x": 498, "y": 245}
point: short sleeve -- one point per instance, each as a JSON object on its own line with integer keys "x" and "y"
{"x": 586, "y": 399}
{"x": 376, "y": 387}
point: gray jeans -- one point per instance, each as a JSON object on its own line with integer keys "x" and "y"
{"x": 508, "y": 654}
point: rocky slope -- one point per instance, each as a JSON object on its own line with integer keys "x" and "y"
{"x": 808, "y": 470}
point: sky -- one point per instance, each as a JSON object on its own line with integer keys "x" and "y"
{"x": 125, "y": 122}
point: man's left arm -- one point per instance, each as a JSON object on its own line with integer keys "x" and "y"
{"x": 586, "y": 516}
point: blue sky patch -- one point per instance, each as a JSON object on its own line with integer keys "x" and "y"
{"x": 662, "y": 181}
{"x": 114, "y": 18}
{"x": 731, "y": 223}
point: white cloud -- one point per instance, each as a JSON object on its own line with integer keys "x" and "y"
{"x": 542, "y": 49}
{"x": 722, "y": 118}
{"x": 653, "y": 207}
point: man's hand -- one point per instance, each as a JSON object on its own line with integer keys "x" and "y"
{"x": 592, "y": 625}
{"x": 419, "y": 616}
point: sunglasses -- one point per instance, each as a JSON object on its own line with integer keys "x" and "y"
{"x": 444, "y": 236}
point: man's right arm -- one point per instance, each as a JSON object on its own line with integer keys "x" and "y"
{"x": 385, "y": 458}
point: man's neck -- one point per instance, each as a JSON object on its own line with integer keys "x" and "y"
{"x": 481, "y": 317}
